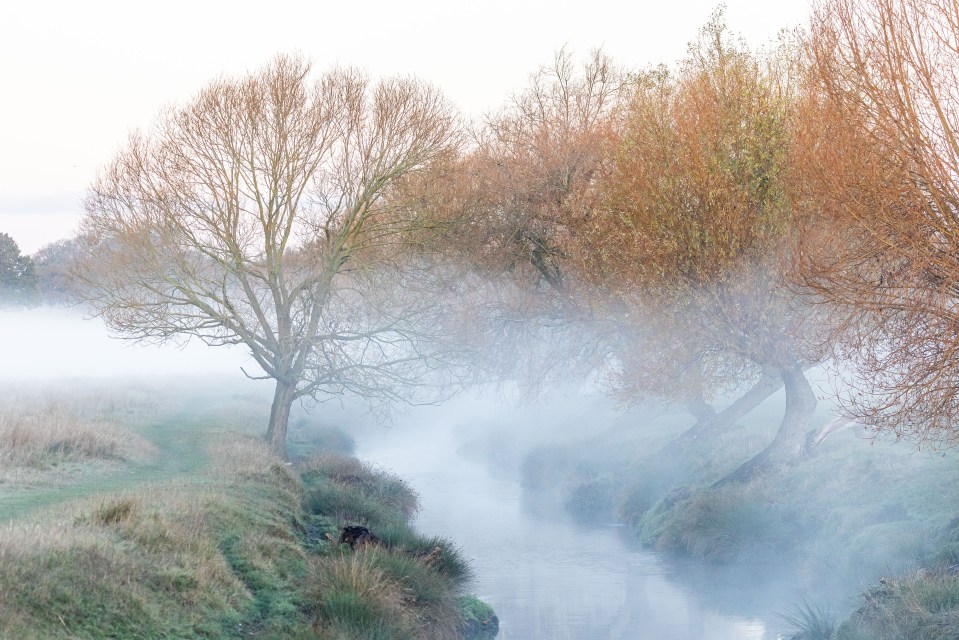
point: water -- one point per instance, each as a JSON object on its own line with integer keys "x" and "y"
{"x": 548, "y": 576}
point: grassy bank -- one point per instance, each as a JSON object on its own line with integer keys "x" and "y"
{"x": 211, "y": 537}
{"x": 855, "y": 511}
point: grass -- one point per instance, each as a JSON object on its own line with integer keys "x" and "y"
{"x": 811, "y": 621}
{"x": 479, "y": 620}
{"x": 734, "y": 523}
{"x": 355, "y": 492}
{"x": 212, "y": 537}
{"x": 52, "y": 427}
{"x": 923, "y": 606}
{"x": 155, "y": 562}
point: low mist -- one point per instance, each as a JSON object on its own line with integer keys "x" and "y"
{"x": 50, "y": 342}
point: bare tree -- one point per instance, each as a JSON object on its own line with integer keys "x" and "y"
{"x": 261, "y": 214}
{"x": 885, "y": 251}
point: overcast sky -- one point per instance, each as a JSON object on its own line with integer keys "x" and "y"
{"x": 78, "y": 76}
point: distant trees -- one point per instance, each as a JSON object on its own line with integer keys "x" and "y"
{"x": 54, "y": 264}
{"x": 885, "y": 251}
{"x": 263, "y": 214}
{"x": 18, "y": 278}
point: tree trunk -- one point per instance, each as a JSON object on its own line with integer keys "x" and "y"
{"x": 706, "y": 424}
{"x": 790, "y": 443}
{"x": 700, "y": 409}
{"x": 280, "y": 417}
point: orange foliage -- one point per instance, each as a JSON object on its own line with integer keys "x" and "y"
{"x": 888, "y": 261}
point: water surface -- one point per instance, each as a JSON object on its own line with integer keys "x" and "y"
{"x": 549, "y": 576}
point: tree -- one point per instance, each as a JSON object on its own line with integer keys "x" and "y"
{"x": 884, "y": 253}
{"x": 535, "y": 159}
{"x": 17, "y": 278}
{"x": 499, "y": 214}
{"x": 54, "y": 264}
{"x": 692, "y": 220}
{"x": 261, "y": 215}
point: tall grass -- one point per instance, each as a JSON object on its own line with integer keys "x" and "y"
{"x": 811, "y": 621}
{"x": 736, "y": 522}
{"x": 42, "y": 428}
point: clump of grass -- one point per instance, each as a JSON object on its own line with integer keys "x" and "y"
{"x": 591, "y": 497}
{"x": 721, "y": 525}
{"x": 432, "y": 597}
{"x": 449, "y": 561}
{"x": 42, "y": 428}
{"x": 357, "y": 491}
{"x": 45, "y": 438}
{"x": 114, "y": 511}
{"x": 924, "y": 606}
{"x": 332, "y": 440}
{"x": 479, "y": 620}
{"x": 811, "y": 621}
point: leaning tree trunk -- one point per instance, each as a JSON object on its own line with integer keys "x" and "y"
{"x": 713, "y": 423}
{"x": 280, "y": 417}
{"x": 790, "y": 443}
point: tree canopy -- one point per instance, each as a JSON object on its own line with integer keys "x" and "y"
{"x": 260, "y": 214}
{"x": 18, "y": 279}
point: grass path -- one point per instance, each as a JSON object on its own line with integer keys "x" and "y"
{"x": 182, "y": 443}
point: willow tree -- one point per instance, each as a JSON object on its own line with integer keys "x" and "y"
{"x": 692, "y": 223}
{"x": 500, "y": 212}
{"x": 887, "y": 255}
{"x": 260, "y": 214}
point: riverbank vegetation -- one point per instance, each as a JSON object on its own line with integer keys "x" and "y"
{"x": 243, "y": 545}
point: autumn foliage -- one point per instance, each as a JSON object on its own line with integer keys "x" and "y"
{"x": 885, "y": 250}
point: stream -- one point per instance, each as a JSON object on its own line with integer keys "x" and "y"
{"x": 549, "y": 576}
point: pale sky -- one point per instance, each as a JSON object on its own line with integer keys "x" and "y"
{"x": 78, "y": 76}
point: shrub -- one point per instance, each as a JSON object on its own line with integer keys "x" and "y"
{"x": 479, "y": 620}
{"x": 721, "y": 525}
{"x": 592, "y": 497}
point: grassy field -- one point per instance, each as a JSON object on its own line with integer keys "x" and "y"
{"x": 156, "y": 513}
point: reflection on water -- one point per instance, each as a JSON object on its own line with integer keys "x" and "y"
{"x": 550, "y": 577}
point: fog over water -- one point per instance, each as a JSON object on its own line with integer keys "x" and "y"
{"x": 546, "y": 574}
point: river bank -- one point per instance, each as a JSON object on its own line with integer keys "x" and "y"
{"x": 209, "y": 536}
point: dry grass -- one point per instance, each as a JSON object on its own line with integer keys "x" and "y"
{"x": 227, "y": 552}
{"x": 178, "y": 559}
{"x": 43, "y": 427}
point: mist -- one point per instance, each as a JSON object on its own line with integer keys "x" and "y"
{"x": 538, "y": 485}
{"x": 54, "y": 342}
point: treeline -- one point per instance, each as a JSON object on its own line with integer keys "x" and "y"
{"x": 679, "y": 233}
{"x": 43, "y": 278}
